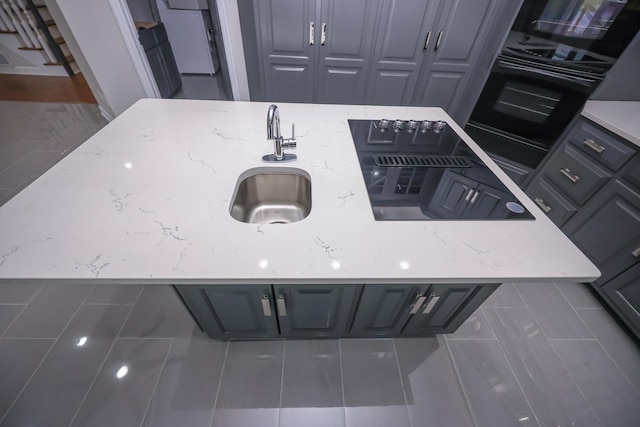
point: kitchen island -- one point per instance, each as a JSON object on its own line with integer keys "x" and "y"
{"x": 147, "y": 201}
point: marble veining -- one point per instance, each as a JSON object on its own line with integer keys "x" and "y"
{"x": 147, "y": 198}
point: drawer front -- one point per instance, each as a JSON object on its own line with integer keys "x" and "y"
{"x": 557, "y": 208}
{"x": 601, "y": 146}
{"x": 632, "y": 172}
{"x": 575, "y": 174}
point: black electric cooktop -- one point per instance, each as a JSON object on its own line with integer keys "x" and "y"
{"x": 422, "y": 170}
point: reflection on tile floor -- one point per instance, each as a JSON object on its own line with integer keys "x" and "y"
{"x": 499, "y": 369}
{"x": 540, "y": 354}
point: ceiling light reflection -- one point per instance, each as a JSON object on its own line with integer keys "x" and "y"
{"x": 405, "y": 265}
{"x": 335, "y": 264}
{"x": 263, "y": 263}
{"x": 128, "y": 165}
{"x": 81, "y": 341}
{"x": 122, "y": 372}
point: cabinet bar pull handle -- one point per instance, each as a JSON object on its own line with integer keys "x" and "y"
{"x": 416, "y": 305}
{"x": 636, "y": 253}
{"x": 475, "y": 196}
{"x": 591, "y": 144}
{"x": 571, "y": 176}
{"x": 469, "y": 194}
{"x": 282, "y": 308}
{"x": 542, "y": 204}
{"x": 433, "y": 300}
{"x": 438, "y": 40}
{"x": 266, "y": 306}
{"x": 426, "y": 41}
{"x": 323, "y": 37}
{"x": 312, "y": 31}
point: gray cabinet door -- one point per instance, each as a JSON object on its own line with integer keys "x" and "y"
{"x": 624, "y": 292}
{"x": 400, "y": 50}
{"x": 232, "y": 311}
{"x": 607, "y": 229}
{"x": 453, "y": 194}
{"x": 288, "y": 58}
{"x": 442, "y": 307}
{"x": 458, "y": 38}
{"x": 314, "y": 310}
{"x": 383, "y": 310}
{"x": 345, "y": 40}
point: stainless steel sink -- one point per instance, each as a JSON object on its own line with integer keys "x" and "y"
{"x": 272, "y": 196}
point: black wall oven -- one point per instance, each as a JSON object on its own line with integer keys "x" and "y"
{"x": 554, "y": 58}
{"x": 525, "y": 106}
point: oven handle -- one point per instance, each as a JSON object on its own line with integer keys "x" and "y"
{"x": 577, "y": 80}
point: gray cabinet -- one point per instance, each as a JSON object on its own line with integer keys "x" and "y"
{"x": 232, "y": 311}
{"x": 383, "y": 310}
{"x": 314, "y": 51}
{"x": 460, "y": 196}
{"x": 313, "y": 310}
{"x": 624, "y": 293}
{"x": 255, "y": 311}
{"x": 385, "y": 52}
{"x": 331, "y": 311}
{"x": 416, "y": 310}
{"x": 590, "y": 187}
{"x": 458, "y": 38}
{"x": 161, "y": 60}
{"x": 401, "y": 47}
{"x": 440, "y": 312}
{"x": 608, "y": 229}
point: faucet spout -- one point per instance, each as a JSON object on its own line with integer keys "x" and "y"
{"x": 279, "y": 143}
{"x": 273, "y": 123}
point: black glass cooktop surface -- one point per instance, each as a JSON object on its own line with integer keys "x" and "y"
{"x": 422, "y": 170}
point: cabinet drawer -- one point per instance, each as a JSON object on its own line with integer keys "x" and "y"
{"x": 632, "y": 172}
{"x": 576, "y": 175}
{"x": 601, "y": 146}
{"x": 557, "y": 208}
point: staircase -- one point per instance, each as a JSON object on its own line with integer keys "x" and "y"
{"x": 30, "y": 42}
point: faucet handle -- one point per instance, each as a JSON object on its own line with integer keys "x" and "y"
{"x": 290, "y": 142}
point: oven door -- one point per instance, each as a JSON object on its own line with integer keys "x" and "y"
{"x": 531, "y": 102}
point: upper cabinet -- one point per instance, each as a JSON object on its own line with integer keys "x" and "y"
{"x": 384, "y": 52}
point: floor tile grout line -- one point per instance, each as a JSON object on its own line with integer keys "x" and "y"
{"x": 284, "y": 355}
{"x": 513, "y": 371}
{"x": 526, "y": 305}
{"x": 13, "y": 321}
{"x": 615, "y": 362}
{"x": 215, "y": 401}
{"x": 155, "y": 387}
{"x": 344, "y": 406}
{"x": 95, "y": 377}
{"x": 41, "y": 361}
{"x": 577, "y": 385}
{"x": 465, "y": 394}
{"x": 404, "y": 392}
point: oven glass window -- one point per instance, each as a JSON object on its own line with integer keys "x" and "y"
{"x": 531, "y": 103}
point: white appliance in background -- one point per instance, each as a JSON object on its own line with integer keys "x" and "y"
{"x": 189, "y": 33}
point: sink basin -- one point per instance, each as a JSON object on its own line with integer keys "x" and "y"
{"x": 272, "y": 196}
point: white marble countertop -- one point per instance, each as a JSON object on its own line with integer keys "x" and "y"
{"x": 146, "y": 200}
{"x": 620, "y": 117}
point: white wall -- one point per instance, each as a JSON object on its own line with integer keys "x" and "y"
{"x": 99, "y": 37}
{"x": 232, "y": 36}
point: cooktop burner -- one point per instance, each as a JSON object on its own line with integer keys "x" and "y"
{"x": 422, "y": 170}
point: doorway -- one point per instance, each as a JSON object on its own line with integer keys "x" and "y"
{"x": 193, "y": 31}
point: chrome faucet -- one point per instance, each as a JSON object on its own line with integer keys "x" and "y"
{"x": 279, "y": 143}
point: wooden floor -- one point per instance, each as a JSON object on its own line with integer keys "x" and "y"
{"x": 14, "y": 87}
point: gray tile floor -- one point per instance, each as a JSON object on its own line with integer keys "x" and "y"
{"x": 201, "y": 86}
{"x": 74, "y": 355}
